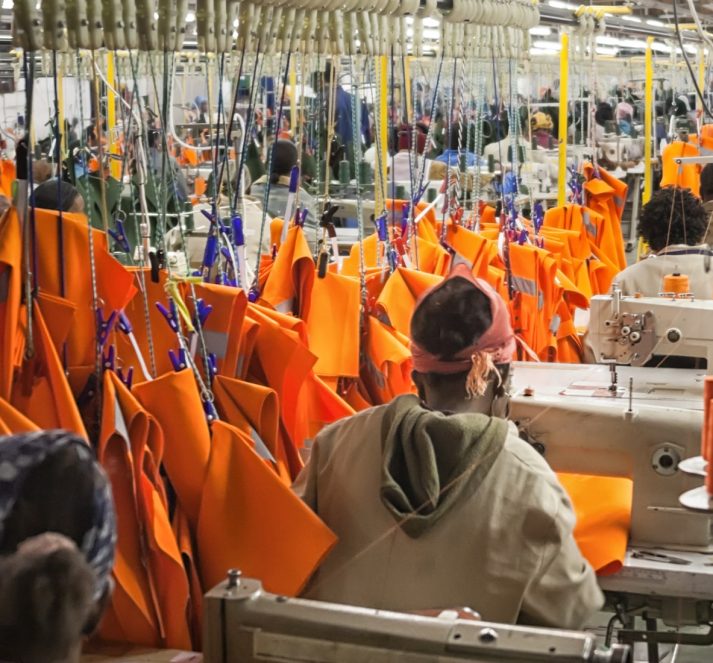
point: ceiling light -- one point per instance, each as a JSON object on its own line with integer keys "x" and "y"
{"x": 431, "y": 33}
{"x": 155, "y": 16}
{"x": 190, "y": 17}
{"x": 557, "y": 4}
{"x": 541, "y": 31}
{"x": 541, "y": 51}
{"x": 607, "y": 50}
{"x": 431, "y": 23}
{"x": 550, "y": 46}
{"x": 656, "y": 24}
{"x": 606, "y": 40}
{"x": 235, "y": 23}
{"x": 631, "y": 19}
{"x": 7, "y": 4}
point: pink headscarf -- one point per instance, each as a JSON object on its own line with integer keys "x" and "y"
{"x": 495, "y": 346}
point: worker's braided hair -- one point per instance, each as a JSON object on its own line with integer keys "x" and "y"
{"x": 673, "y": 216}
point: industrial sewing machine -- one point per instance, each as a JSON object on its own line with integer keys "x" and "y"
{"x": 619, "y": 418}
{"x": 244, "y": 623}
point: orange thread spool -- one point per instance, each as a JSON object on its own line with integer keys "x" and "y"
{"x": 676, "y": 283}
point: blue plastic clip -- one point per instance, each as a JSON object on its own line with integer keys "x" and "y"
{"x": 170, "y": 314}
{"x": 104, "y": 326}
{"x": 538, "y": 216}
{"x": 522, "y": 237}
{"x": 211, "y": 413}
{"x": 178, "y": 361}
{"x": 381, "y": 229}
{"x": 209, "y": 255}
{"x": 238, "y": 231}
{"x": 119, "y": 236}
{"x": 211, "y": 365}
{"x": 123, "y": 324}
{"x": 253, "y": 293}
{"x": 127, "y": 379}
{"x": 301, "y": 217}
{"x": 109, "y": 359}
{"x": 405, "y": 213}
{"x": 393, "y": 258}
{"x": 203, "y": 310}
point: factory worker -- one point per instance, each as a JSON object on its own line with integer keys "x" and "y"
{"x": 436, "y": 501}
{"x": 65, "y": 197}
{"x": 707, "y": 198}
{"x": 56, "y": 545}
{"x": 403, "y": 165}
{"x": 541, "y": 126}
{"x": 284, "y": 157}
{"x": 674, "y": 224}
{"x": 456, "y": 137}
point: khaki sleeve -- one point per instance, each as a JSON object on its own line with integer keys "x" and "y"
{"x": 305, "y": 485}
{"x": 565, "y": 593}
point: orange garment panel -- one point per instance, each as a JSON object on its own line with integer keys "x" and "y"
{"x": 333, "y": 325}
{"x": 603, "y": 509}
{"x": 11, "y": 336}
{"x": 8, "y": 175}
{"x": 685, "y": 176}
{"x": 252, "y": 521}
{"x": 12, "y": 421}
{"x": 402, "y": 291}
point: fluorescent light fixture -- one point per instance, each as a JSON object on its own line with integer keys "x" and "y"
{"x": 7, "y": 4}
{"x": 431, "y": 23}
{"x": 541, "y": 31}
{"x": 606, "y": 50}
{"x": 431, "y": 33}
{"x": 190, "y": 17}
{"x": 558, "y": 4}
{"x": 632, "y": 43}
{"x": 409, "y": 32}
{"x": 631, "y": 19}
{"x": 551, "y": 46}
{"x": 661, "y": 47}
{"x": 541, "y": 51}
{"x": 655, "y": 24}
{"x": 235, "y": 23}
{"x": 155, "y": 16}
{"x": 606, "y": 40}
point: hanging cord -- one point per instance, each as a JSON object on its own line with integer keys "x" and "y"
{"x": 266, "y": 197}
{"x": 28, "y": 214}
{"x": 381, "y": 175}
{"x": 460, "y": 190}
{"x": 477, "y": 184}
{"x": 360, "y": 219}
{"x": 447, "y": 208}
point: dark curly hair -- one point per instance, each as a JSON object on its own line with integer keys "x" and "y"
{"x": 707, "y": 182}
{"x": 673, "y": 216}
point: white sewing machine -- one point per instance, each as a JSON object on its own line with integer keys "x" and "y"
{"x": 244, "y": 623}
{"x": 619, "y": 418}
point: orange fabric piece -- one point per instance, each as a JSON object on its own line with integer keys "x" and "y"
{"x": 151, "y": 597}
{"x": 289, "y": 284}
{"x": 41, "y": 391}
{"x": 253, "y": 408}
{"x": 473, "y": 248}
{"x": 184, "y": 425}
{"x": 324, "y": 406}
{"x": 59, "y": 315}
{"x": 387, "y": 368}
{"x": 248, "y": 339}
{"x": 685, "y": 176}
{"x": 252, "y": 521}
{"x": 12, "y": 421}
{"x": 8, "y": 175}
{"x": 398, "y": 299}
{"x": 223, "y": 325}
{"x": 184, "y": 539}
{"x": 603, "y": 509}
{"x": 333, "y": 325}
{"x": 10, "y": 298}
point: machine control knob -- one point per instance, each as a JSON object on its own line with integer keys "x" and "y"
{"x": 665, "y": 460}
{"x": 674, "y": 335}
{"x": 488, "y": 636}
{"x": 625, "y": 330}
{"x": 635, "y": 336}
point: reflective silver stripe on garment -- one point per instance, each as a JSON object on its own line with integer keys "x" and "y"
{"x": 619, "y": 201}
{"x": 523, "y": 285}
{"x": 216, "y": 342}
{"x": 555, "y": 324}
{"x": 591, "y": 228}
{"x": 285, "y": 307}
{"x": 260, "y": 447}
{"x": 540, "y": 300}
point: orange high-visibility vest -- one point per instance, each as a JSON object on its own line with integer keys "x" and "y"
{"x": 397, "y": 300}
{"x": 11, "y": 337}
{"x": 272, "y": 534}
{"x": 684, "y": 176}
{"x": 333, "y": 325}
{"x": 141, "y": 502}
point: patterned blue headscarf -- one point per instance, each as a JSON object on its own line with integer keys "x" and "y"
{"x": 19, "y": 454}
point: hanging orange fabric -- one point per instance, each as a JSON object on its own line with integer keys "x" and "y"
{"x": 603, "y": 509}
{"x": 684, "y": 176}
{"x": 151, "y": 597}
{"x": 272, "y": 534}
{"x": 223, "y": 326}
{"x": 12, "y": 421}
{"x": 8, "y": 175}
{"x": 59, "y": 314}
{"x": 386, "y": 372}
{"x": 323, "y": 405}
{"x": 255, "y": 410}
{"x": 184, "y": 539}
{"x": 11, "y": 338}
{"x": 187, "y": 439}
{"x": 398, "y": 298}
{"x": 289, "y": 283}
{"x": 333, "y": 325}
{"x": 41, "y": 390}
{"x": 472, "y": 248}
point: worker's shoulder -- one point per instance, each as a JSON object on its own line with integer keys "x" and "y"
{"x": 355, "y": 428}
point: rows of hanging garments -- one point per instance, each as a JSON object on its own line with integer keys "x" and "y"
{"x": 199, "y": 338}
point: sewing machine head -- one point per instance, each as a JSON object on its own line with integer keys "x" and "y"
{"x": 244, "y": 623}
{"x": 631, "y": 330}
